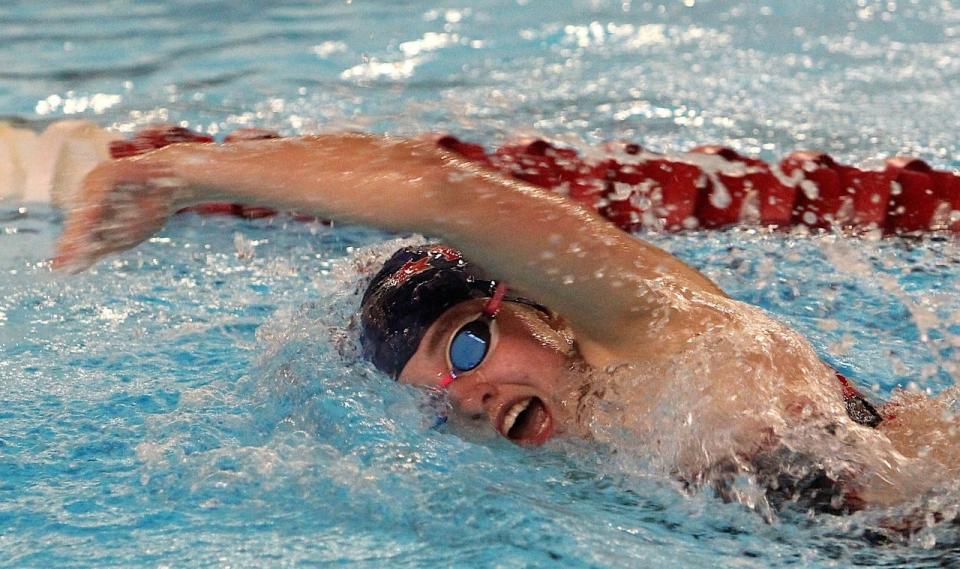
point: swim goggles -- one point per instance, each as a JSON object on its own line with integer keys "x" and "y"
{"x": 468, "y": 348}
{"x": 471, "y": 343}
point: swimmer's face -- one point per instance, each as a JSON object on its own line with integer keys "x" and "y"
{"x": 522, "y": 385}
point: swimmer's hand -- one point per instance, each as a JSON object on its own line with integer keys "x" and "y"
{"x": 120, "y": 204}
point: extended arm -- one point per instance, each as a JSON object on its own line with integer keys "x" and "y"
{"x": 602, "y": 279}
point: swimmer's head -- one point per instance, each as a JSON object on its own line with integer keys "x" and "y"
{"x": 414, "y": 287}
{"x": 426, "y": 298}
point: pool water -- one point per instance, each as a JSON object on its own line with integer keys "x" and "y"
{"x": 199, "y": 401}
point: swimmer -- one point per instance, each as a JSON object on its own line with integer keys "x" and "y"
{"x": 544, "y": 320}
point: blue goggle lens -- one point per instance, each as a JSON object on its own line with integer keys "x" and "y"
{"x": 470, "y": 345}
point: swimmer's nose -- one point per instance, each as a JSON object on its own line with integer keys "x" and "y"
{"x": 473, "y": 399}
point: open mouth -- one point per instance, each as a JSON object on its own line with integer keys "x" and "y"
{"x": 527, "y": 422}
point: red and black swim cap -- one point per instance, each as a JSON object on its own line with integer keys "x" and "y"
{"x": 414, "y": 287}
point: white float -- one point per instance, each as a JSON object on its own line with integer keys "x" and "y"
{"x": 51, "y": 166}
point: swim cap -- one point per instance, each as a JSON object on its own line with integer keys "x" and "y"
{"x": 414, "y": 287}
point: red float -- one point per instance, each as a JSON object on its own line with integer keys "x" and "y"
{"x": 559, "y": 169}
{"x": 754, "y": 194}
{"x": 653, "y": 192}
{"x": 949, "y": 187}
{"x": 822, "y": 200}
{"x": 871, "y": 195}
{"x": 913, "y": 198}
{"x": 473, "y": 152}
{"x": 153, "y": 137}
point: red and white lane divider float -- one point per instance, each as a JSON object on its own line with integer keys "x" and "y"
{"x": 708, "y": 187}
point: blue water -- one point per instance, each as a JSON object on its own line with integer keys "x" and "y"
{"x": 198, "y": 401}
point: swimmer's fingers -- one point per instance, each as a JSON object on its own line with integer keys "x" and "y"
{"x": 76, "y": 248}
{"x": 120, "y": 204}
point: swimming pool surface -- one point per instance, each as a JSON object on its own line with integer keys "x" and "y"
{"x": 198, "y": 401}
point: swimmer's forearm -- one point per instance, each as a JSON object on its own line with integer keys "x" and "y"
{"x": 350, "y": 177}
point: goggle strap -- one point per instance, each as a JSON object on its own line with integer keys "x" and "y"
{"x": 446, "y": 380}
{"x": 492, "y": 307}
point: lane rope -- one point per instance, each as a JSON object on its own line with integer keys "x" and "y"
{"x": 708, "y": 187}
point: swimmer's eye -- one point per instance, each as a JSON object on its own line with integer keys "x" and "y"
{"x": 470, "y": 345}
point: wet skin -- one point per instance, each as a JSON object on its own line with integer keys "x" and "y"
{"x": 525, "y": 387}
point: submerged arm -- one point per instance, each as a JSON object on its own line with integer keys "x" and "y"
{"x": 602, "y": 279}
